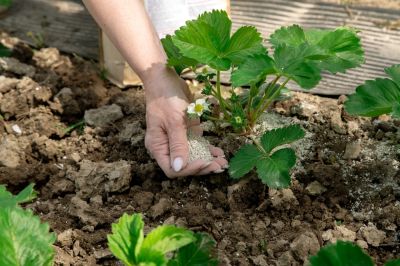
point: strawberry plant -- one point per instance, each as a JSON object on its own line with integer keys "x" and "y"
{"x": 183, "y": 247}
{"x": 344, "y": 253}
{"x": 24, "y": 240}
{"x": 297, "y": 55}
{"x": 377, "y": 97}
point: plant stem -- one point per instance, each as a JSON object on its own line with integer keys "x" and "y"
{"x": 271, "y": 99}
{"x": 249, "y": 103}
{"x": 219, "y": 95}
{"x": 258, "y": 144}
{"x": 254, "y": 114}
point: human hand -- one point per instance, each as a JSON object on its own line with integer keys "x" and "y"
{"x": 167, "y": 97}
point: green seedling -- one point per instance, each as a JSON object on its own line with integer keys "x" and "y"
{"x": 165, "y": 245}
{"x": 273, "y": 162}
{"x": 38, "y": 39}
{"x": 344, "y": 253}
{"x": 79, "y": 126}
{"x": 298, "y": 55}
{"x": 377, "y": 97}
{"x": 24, "y": 240}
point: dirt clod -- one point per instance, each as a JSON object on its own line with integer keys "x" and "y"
{"x": 103, "y": 116}
{"x": 372, "y": 235}
{"x": 304, "y": 245}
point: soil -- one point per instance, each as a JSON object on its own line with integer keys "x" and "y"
{"x": 345, "y": 183}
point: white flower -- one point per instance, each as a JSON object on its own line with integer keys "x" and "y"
{"x": 198, "y": 107}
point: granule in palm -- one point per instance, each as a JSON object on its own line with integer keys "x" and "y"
{"x": 199, "y": 149}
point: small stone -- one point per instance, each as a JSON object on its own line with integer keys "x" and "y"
{"x": 372, "y": 235}
{"x": 17, "y": 130}
{"x": 199, "y": 148}
{"x": 103, "y": 116}
{"x": 65, "y": 238}
{"x": 363, "y": 244}
{"x": 260, "y": 260}
{"x": 160, "y": 208}
{"x": 305, "y": 245}
{"x": 353, "y": 150}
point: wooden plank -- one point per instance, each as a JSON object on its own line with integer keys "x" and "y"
{"x": 64, "y": 24}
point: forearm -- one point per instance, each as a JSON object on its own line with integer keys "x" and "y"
{"x": 128, "y": 26}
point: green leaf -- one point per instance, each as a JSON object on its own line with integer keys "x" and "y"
{"x": 197, "y": 253}
{"x": 343, "y": 48}
{"x": 341, "y": 254}
{"x": 244, "y": 161}
{"x": 4, "y": 51}
{"x": 205, "y": 39}
{"x": 292, "y": 62}
{"x": 291, "y": 36}
{"x": 245, "y": 42}
{"x": 175, "y": 58}
{"x": 253, "y": 70}
{"x": 374, "y": 98}
{"x": 394, "y": 73}
{"x": 167, "y": 238}
{"x": 280, "y": 136}
{"x": 274, "y": 170}
{"x": 9, "y": 200}
{"x": 24, "y": 239}
{"x": 5, "y": 3}
{"x": 393, "y": 263}
{"x": 126, "y": 239}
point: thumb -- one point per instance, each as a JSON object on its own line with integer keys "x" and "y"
{"x": 178, "y": 147}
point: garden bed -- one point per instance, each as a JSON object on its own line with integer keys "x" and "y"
{"x": 345, "y": 183}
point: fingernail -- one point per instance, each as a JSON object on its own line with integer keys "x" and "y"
{"x": 177, "y": 164}
{"x": 226, "y": 166}
{"x": 219, "y": 171}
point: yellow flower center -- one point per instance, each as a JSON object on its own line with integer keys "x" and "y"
{"x": 198, "y": 108}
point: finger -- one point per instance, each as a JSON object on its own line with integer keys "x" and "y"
{"x": 216, "y": 152}
{"x": 214, "y": 167}
{"x": 192, "y": 168}
{"x": 178, "y": 146}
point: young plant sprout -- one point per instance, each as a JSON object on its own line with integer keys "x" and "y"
{"x": 298, "y": 55}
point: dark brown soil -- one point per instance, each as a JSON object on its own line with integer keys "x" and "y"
{"x": 354, "y": 161}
